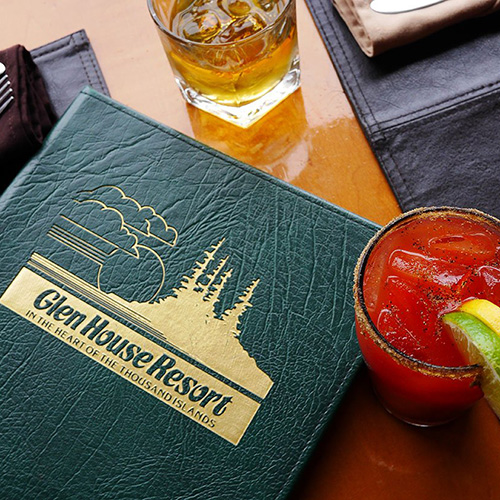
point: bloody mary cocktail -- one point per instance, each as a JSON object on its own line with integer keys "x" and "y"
{"x": 422, "y": 265}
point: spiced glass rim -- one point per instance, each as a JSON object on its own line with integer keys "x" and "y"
{"x": 362, "y": 312}
{"x": 161, "y": 26}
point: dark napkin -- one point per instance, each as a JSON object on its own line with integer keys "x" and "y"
{"x": 67, "y": 66}
{"x": 431, "y": 110}
{"x": 28, "y": 119}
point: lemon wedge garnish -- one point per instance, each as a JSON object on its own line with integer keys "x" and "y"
{"x": 485, "y": 311}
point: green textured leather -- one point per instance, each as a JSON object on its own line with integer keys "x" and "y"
{"x": 74, "y": 429}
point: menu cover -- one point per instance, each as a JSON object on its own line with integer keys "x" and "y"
{"x": 173, "y": 324}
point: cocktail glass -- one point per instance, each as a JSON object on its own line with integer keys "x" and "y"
{"x": 241, "y": 79}
{"x": 416, "y": 392}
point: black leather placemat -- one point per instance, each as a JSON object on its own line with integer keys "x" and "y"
{"x": 430, "y": 110}
{"x": 67, "y": 66}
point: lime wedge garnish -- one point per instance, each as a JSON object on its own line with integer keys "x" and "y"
{"x": 480, "y": 345}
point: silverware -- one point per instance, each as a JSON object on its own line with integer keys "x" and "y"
{"x": 397, "y": 6}
{"x": 6, "y": 96}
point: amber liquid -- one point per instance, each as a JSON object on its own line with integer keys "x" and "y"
{"x": 230, "y": 51}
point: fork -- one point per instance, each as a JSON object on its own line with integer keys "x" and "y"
{"x": 6, "y": 96}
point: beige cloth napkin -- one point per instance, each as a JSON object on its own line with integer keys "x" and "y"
{"x": 376, "y": 33}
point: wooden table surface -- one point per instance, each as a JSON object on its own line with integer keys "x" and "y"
{"x": 313, "y": 141}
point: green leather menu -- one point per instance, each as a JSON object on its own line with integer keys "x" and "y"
{"x": 173, "y": 324}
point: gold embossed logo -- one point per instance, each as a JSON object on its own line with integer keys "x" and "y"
{"x": 181, "y": 345}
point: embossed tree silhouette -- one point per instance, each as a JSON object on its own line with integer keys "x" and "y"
{"x": 199, "y": 269}
{"x": 232, "y": 317}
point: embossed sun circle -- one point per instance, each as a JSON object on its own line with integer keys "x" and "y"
{"x": 133, "y": 278}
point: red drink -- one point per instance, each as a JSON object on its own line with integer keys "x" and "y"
{"x": 421, "y": 266}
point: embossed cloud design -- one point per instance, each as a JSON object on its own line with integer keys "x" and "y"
{"x": 133, "y": 215}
